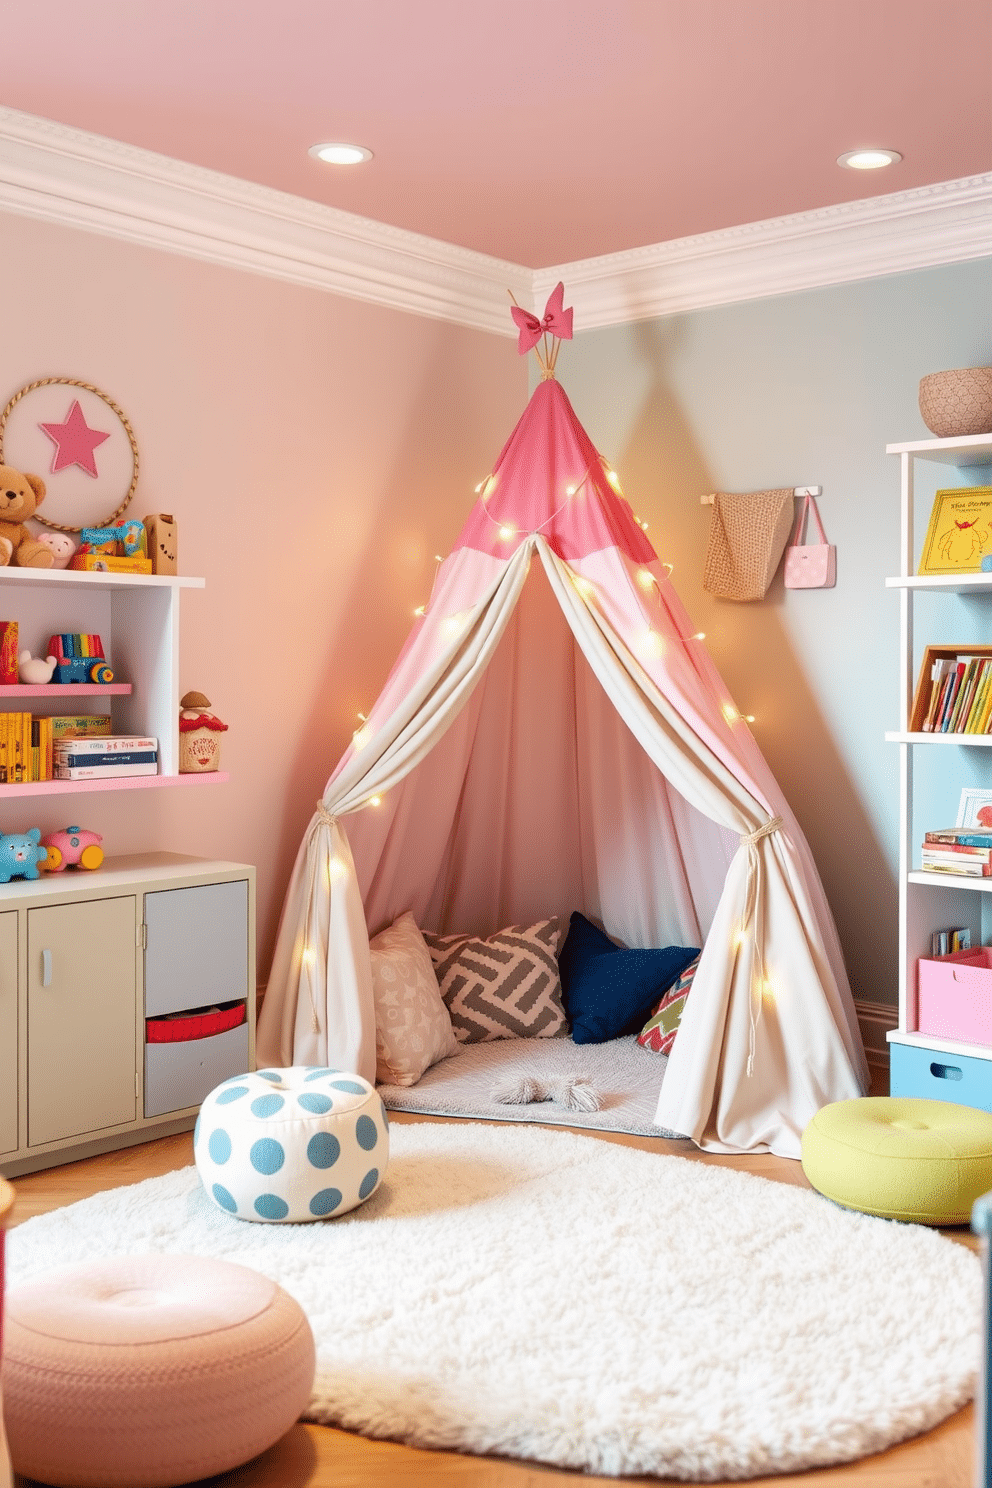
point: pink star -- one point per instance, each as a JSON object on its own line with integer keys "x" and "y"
{"x": 74, "y": 440}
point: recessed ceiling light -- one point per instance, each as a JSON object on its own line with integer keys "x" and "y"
{"x": 868, "y": 159}
{"x": 340, "y": 154}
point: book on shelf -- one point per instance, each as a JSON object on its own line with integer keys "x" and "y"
{"x": 960, "y": 867}
{"x": 103, "y": 772}
{"x": 79, "y": 725}
{"x": 967, "y": 836}
{"x": 953, "y": 691}
{"x": 122, "y": 757}
{"x": 947, "y": 942}
{"x": 108, "y": 744}
{"x": 958, "y": 531}
{"x": 959, "y": 849}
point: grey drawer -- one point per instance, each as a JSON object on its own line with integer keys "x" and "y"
{"x": 180, "y": 1075}
{"x": 196, "y": 951}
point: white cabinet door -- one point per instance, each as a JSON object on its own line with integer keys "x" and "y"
{"x": 196, "y": 950}
{"x": 81, "y": 1018}
{"x": 8, "y": 1031}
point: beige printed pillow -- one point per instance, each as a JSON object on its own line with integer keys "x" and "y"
{"x": 412, "y": 1025}
{"x": 506, "y": 986}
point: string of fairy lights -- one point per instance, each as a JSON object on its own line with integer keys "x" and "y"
{"x": 557, "y": 322}
{"x": 653, "y": 642}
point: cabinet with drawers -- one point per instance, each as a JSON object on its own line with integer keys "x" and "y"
{"x": 89, "y": 962}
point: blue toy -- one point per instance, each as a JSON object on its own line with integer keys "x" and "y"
{"x": 20, "y": 854}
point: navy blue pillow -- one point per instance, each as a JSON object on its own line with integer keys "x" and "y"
{"x": 608, "y": 991}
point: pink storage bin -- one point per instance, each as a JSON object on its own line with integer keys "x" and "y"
{"x": 954, "y": 996}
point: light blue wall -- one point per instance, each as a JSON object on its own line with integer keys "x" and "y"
{"x": 803, "y": 389}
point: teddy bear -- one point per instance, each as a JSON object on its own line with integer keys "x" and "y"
{"x": 20, "y": 496}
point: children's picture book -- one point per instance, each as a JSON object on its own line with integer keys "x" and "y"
{"x": 960, "y": 532}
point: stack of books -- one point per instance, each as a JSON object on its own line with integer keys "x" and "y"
{"x": 965, "y": 851}
{"x": 105, "y": 757}
{"x": 25, "y": 748}
{"x": 960, "y": 696}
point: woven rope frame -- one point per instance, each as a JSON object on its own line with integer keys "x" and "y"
{"x": 88, "y": 386}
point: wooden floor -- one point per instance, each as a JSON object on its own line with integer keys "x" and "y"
{"x": 320, "y": 1457}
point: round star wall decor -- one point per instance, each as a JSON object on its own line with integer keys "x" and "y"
{"x": 77, "y": 439}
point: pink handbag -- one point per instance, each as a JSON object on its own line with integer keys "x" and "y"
{"x": 810, "y": 565}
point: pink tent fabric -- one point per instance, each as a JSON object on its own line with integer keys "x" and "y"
{"x": 554, "y": 737}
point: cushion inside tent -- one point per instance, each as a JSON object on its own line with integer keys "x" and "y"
{"x": 536, "y": 801}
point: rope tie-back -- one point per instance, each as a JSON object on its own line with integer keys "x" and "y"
{"x": 750, "y": 840}
{"x": 326, "y": 818}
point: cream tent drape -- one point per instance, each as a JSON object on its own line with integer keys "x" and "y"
{"x": 769, "y": 1034}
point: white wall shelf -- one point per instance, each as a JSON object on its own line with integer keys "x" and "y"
{"x": 137, "y": 618}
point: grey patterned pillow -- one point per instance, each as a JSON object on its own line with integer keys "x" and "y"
{"x": 506, "y": 986}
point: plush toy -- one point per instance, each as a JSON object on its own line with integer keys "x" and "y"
{"x": 61, "y": 545}
{"x": 20, "y": 854}
{"x": 199, "y": 735}
{"x": 20, "y": 497}
{"x": 32, "y": 669}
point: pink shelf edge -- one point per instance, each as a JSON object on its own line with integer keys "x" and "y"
{"x": 64, "y": 689}
{"x": 98, "y": 787}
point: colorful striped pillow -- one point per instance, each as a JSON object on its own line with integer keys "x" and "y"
{"x": 658, "y": 1033}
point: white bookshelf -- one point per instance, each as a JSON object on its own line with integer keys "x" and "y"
{"x": 931, "y": 901}
{"x": 137, "y": 618}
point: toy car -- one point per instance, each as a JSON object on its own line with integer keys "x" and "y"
{"x": 73, "y": 847}
{"x": 82, "y": 669}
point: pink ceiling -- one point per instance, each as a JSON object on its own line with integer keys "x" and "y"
{"x": 536, "y": 130}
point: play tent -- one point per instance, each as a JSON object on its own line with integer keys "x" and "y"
{"x": 553, "y": 736}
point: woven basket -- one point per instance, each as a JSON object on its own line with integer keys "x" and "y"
{"x": 954, "y": 404}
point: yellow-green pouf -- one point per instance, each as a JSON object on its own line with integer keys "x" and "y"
{"x": 923, "y": 1161}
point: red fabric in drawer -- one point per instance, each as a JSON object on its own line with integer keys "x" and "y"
{"x": 195, "y": 1026}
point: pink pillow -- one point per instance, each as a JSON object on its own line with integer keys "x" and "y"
{"x": 412, "y": 1025}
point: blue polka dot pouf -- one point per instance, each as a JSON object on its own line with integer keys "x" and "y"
{"x": 285, "y": 1145}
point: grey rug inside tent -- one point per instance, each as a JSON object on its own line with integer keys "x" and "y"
{"x": 627, "y": 1078}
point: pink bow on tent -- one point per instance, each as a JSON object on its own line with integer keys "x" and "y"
{"x": 557, "y": 321}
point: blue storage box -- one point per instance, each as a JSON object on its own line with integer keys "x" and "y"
{"x": 938, "y": 1075}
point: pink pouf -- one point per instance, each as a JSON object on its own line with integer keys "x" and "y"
{"x": 150, "y": 1371}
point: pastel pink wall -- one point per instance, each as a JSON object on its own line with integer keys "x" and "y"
{"x": 316, "y": 452}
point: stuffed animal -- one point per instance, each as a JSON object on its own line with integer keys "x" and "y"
{"x": 61, "y": 545}
{"x": 20, "y": 497}
{"x": 32, "y": 669}
{"x": 20, "y": 854}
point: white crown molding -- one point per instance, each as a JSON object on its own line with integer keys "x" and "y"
{"x": 68, "y": 176}
{"x": 930, "y": 225}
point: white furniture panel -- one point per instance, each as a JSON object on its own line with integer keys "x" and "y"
{"x": 81, "y": 1018}
{"x": 180, "y": 1075}
{"x": 196, "y": 950}
{"x": 72, "y": 1002}
{"x": 8, "y": 1032}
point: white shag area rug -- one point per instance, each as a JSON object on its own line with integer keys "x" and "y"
{"x": 627, "y": 1078}
{"x": 540, "y": 1294}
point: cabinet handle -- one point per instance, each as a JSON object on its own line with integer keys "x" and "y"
{"x": 46, "y": 968}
